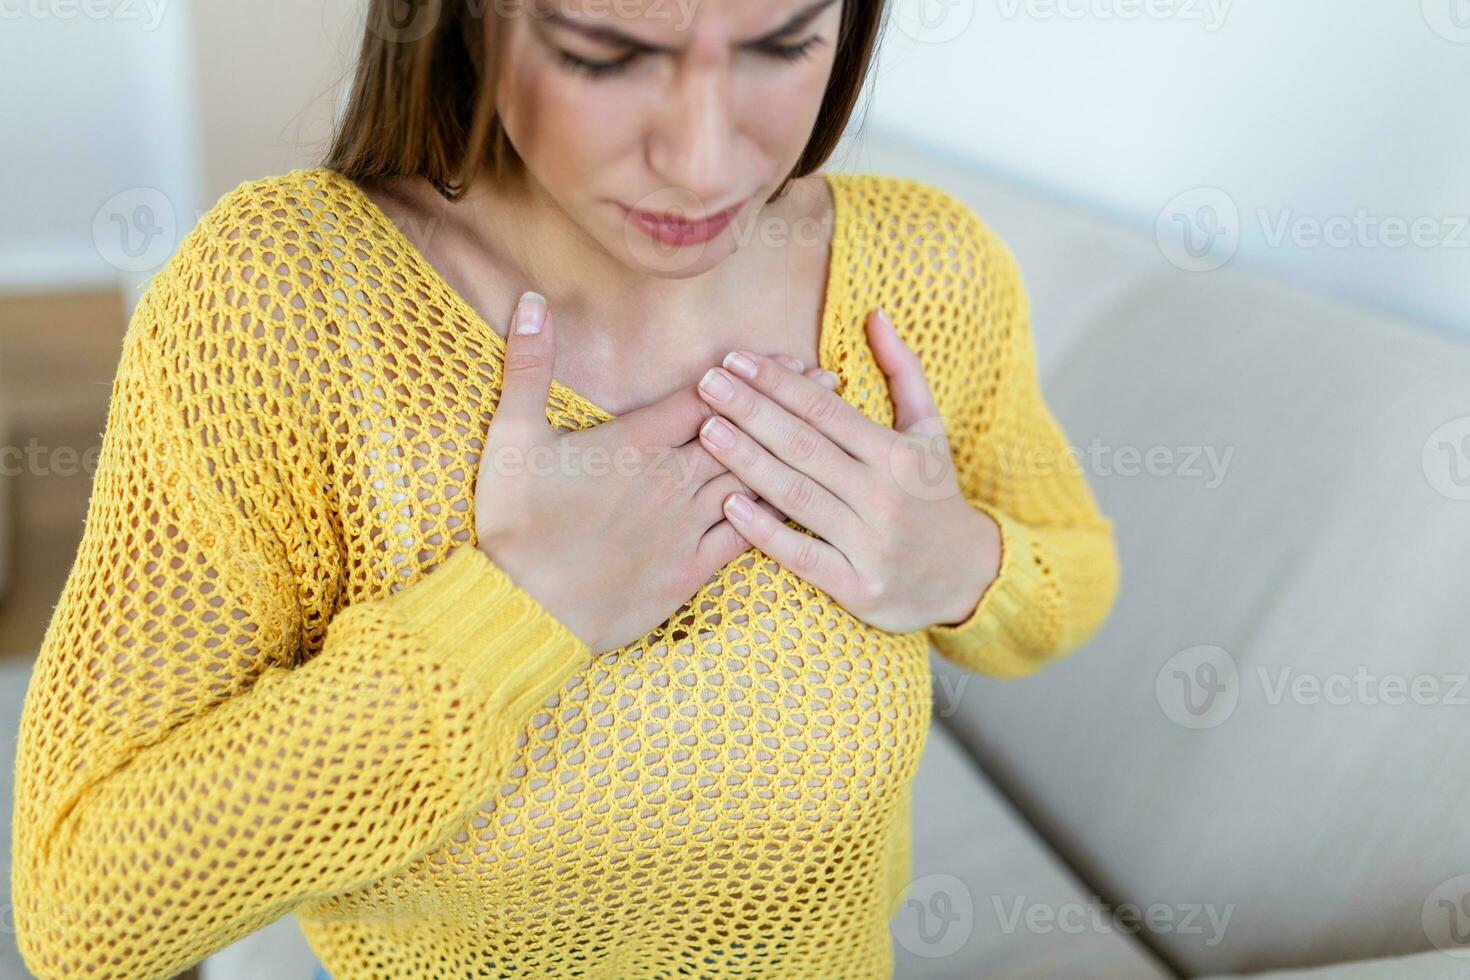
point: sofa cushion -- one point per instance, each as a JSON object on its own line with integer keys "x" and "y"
{"x": 1419, "y": 966}
{"x": 988, "y": 898}
{"x": 1267, "y": 723}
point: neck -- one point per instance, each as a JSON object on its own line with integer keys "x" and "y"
{"x": 601, "y": 301}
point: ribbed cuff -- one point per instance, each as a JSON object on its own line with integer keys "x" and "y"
{"x": 477, "y": 620}
{"x": 983, "y": 639}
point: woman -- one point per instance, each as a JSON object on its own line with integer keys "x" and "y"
{"x": 465, "y": 634}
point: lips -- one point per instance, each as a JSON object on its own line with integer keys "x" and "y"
{"x": 674, "y": 229}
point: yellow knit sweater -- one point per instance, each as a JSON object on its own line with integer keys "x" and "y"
{"x": 281, "y": 679}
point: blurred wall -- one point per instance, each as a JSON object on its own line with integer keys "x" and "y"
{"x": 1324, "y": 140}
{"x": 97, "y": 124}
{"x": 269, "y": 75}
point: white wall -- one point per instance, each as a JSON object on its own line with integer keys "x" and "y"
{"x": 97, "y": 152}
{"x": 1307, "y": 111}
{"x": 123, "y": 122}
{"x": 270, "y": 73}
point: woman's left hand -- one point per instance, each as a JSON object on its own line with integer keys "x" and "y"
{"x": 900, "y": 547}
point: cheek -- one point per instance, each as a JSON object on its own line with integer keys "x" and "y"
{"x": 560, "y": 124}
{"x": 779, "y": 109}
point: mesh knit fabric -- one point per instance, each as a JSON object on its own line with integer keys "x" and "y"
{"x": 281, "y": 680}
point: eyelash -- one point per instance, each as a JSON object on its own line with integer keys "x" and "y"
{"x": 785, "y": 52}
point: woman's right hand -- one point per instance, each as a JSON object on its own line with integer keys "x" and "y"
{"x": 611, "y": 528}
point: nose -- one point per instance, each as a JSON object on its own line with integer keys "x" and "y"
{"x": 691, "y": 145}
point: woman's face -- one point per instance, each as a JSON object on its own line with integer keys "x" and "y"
{"x": 682, "y": 107}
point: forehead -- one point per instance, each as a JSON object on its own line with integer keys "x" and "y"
{"x": 664, "y": 19}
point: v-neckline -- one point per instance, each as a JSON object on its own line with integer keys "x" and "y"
{"x": 827, "y": 339}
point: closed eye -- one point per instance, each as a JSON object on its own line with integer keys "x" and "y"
{"x": 598, "y": 69}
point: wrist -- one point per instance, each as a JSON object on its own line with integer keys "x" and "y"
{"x": 978, "y": 565}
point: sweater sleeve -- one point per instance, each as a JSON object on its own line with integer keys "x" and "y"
{"x": 184, "y": 776}
{"x": 1059, "y": 568}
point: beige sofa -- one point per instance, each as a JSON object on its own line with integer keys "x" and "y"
{"x": 1257, "y": 749}
{"x": 1254, "y": 825}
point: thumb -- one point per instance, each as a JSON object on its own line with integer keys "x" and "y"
{"x": 913, "y": 402}
{"x": 530, "y": 358}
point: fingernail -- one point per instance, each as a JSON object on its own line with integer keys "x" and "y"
{"x": 737, "y": 507}
{"x": 791, "y": 362}
{"x": 828, "y": 378}
{"x": 530, "y": 312}
{"x": 740, "y": 364}
{"x": 718, "y": 431}
{"x": 718, "y": 386}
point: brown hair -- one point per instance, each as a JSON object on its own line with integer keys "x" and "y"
{"x": 421, "y": 105}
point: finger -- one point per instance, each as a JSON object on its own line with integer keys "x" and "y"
{"x": 823, "y": 377}
{"x": 799, "y": 495}
{"x": 695, "y": 466}
{"x": 810, "y": 557}
{"x": 913, "y": 402}
{"x": 708, "y": 503}
{"x": 769, "y": 508}
{"x": 816, "y": 404}
{"x": 673, "y": 420}
{"x": 530, "y": 357}
{"x": 791, "y": 362}
{"x": 790, "y": 438}
{"x": 719, "y": 546}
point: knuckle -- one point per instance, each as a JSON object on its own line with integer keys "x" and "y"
{"x": 820, "y": 407}
{"x": 869, "y": 593}
{"x": 803, "y": 443}
{"x": 808, "y": 557}
{"x": 798, "y": 494}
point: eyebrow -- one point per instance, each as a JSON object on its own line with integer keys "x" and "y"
{"x": 613, "y": 36}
